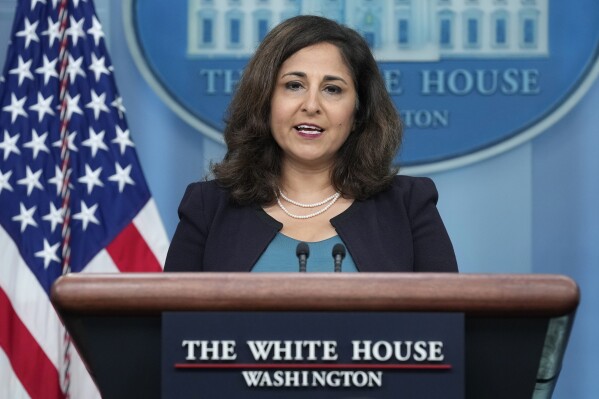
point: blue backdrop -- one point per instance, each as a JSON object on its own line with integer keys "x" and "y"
{"x": 530, "y": 210}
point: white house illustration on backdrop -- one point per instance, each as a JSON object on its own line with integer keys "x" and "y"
{"x": 396, "y": 30}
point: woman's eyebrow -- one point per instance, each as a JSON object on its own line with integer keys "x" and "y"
{"x": 295, "y": 73}
{"x": 327, "y": 78}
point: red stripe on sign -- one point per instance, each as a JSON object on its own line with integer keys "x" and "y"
{"x": 30, "y": 364}
{"x": 131, "y": 253}
{"x": 311, "y": 366}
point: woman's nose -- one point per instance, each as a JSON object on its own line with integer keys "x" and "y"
{"x": 312, "y": 102}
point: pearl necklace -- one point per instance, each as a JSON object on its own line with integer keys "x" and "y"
{"x": 328, "y": 201}
{"x": 324, "y": 201}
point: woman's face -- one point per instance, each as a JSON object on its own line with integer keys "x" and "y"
{"x": 313, "y": 106}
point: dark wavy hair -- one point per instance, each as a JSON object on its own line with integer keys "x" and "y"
{"x": 251, "y": 167}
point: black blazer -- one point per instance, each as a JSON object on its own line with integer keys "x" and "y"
{"x": 398, "y": 229}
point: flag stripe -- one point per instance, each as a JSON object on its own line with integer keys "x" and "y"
{"x": 154, "y": 235}
{"x": 28, "y": 298}
{"x": 131, "y": 253}
{"x": 23, "y": 351}
{"x": 101, "y": 263}
{"x": 11, "y": 387}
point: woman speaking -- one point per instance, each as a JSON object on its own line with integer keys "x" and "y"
{"x": 311, "y": 134}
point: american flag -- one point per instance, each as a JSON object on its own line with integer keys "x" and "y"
{"x": 72, "y": 193}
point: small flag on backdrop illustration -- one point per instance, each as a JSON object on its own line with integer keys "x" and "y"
{"x": 73, "y": 197}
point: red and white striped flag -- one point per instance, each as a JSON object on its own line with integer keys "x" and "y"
{"x": 72, "y": 193}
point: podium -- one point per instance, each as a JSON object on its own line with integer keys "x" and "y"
{"x": 516, "y": 326}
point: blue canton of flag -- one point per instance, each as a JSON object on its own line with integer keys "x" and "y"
{"x": 112, "y": 221}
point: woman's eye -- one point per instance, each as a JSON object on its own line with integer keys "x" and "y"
{"x": 293, "y": 85}
{"x": 333, "y": 89}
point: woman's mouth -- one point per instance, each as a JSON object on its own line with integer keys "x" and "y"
{"x": 309, "y": 131}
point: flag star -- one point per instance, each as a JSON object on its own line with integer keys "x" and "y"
{"x": 91, "y": 178}
{"x": 23, "y": 69}
{"x": 43, "y": 106}
{"x": 31, "y": 180}
{"x": 28, "y": 32}
{"x": 59, "y": 178}
{"x": 73, "y": 106}
{"x": 96, "y": 30}
{"x": 54, "y": 217}
{"x": 10, "y": 144}
{"x": 25, "y": 216}
{"x": 53, "y": 31}
{"x": 70, "y": 142}
{"x": 98, "y": 104}
{"x": 16, "y": 107}
{"x": 122, "y": 139}
{"x": 48, "y": 253}
{"x": 4, "y": 181}
{"x": 74, "y": 68}
{"x": 118, "y": 104}
{"x": 48, "y": 69}
{"x": 98, "y": 66}
{"x": 95, "y": 141}
{"x": 37, "y": 143}
{"x": 121, "y": 176}
{"x": 34, "y": 2}
{"x": 87, "y": 215}
{"x": 75, "y": 29}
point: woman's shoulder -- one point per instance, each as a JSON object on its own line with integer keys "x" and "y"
{"x": 206, "y": 192}
{"x": 403, "y": 193}
{"x": 413, "y": 187}
{"x": 205, "y": 186}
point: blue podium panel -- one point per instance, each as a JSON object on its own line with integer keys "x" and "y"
{"x": 312, "y": 354}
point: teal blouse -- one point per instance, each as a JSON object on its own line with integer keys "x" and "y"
{"x": 280, "y": 256}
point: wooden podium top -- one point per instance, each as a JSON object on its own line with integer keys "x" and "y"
{"x": 474, "y": 294}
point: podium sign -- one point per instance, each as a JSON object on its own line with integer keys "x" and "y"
{"x": 312, "y": 354}
{"x": 516, "y": 327}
